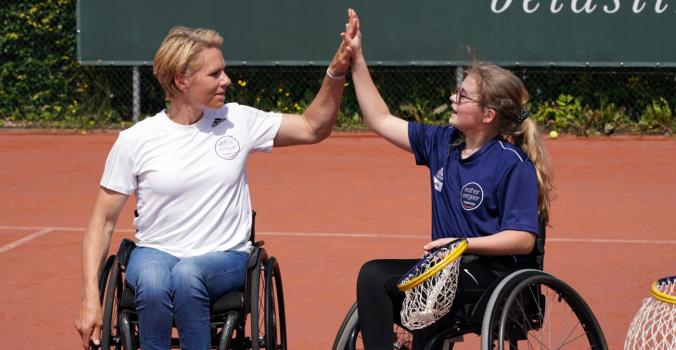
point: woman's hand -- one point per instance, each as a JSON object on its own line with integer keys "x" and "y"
{"x": 95, "y": 243}
{"x": 89, "y": 322}
{"x": 341, "y": 60}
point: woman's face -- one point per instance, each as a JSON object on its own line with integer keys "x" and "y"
{"x": 206, "y": 87}
{"x": 467, "y": 113}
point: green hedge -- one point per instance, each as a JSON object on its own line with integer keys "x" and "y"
{"x": 42, "y": 83}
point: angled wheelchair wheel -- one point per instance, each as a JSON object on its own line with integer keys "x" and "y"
{"x": 275, "y": 320}
{"x": 128, "y": 332}
{"x": 349, "y": 334}
{"x": 258, "y": 301}
{"x": 349, "y": 324}
{"x": 103, "y": 277}
{"x": 537, "y": 310}
{"x": 110, "y": 335}
{"x": 227, "y": 330}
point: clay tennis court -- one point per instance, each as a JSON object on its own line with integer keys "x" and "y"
{"x": 325, "y": 209}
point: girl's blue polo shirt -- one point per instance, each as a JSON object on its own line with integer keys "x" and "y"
{"x": 493, "y": 190}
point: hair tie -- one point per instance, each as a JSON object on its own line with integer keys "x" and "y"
{"x": 523, "y": 114}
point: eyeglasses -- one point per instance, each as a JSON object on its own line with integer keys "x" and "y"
{"x": 461, "y": 97}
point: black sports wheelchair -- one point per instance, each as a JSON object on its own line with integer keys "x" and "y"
{"x": 261, "y": 302}
{"x": 526, "y": 309}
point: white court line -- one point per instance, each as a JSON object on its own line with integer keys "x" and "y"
{"x": 24, "y": 240}
{"x": 55, "y": 228}
{"x": 366, "y": 235}
{"x": 608, "y": 240}
{"x": 380, "y": 235}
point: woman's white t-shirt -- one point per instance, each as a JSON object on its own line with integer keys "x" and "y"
{"x": 190, "y": 180}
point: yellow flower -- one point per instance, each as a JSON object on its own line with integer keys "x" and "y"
{"x": 286, "y": 94}
{"x": 280, "y": 90}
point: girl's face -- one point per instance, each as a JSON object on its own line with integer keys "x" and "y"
{"x": 467, "y": 114}
{"x": 206, "y": 87}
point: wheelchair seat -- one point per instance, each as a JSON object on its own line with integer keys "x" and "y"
{"x": 232, "y": 301}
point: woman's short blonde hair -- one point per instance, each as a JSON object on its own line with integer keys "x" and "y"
{"x": 178, "y": 55}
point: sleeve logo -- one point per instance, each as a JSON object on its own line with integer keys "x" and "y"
{"x": 439, "y": 180}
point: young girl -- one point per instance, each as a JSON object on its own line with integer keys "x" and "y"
{"x": 489, "y": 179}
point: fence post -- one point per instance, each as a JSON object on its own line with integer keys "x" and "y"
{"x": 459, "y": 76}
{"x": 136, "y": 91}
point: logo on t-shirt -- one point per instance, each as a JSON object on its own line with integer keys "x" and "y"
{"x": 227, "y": 147}
{"x": 471, "y": 196}
{"x": 439, "y": 180}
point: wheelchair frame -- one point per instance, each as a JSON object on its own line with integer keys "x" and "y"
{"x": 495, "y": 316}
{"x": 261, "y": 301}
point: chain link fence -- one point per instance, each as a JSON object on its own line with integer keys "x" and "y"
{"x": 420, "y": 93}
{"x": 43, "y": 85}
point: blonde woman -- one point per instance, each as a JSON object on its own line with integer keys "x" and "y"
{"x": 186, "y": 166}
{"x": 489, "y": 182}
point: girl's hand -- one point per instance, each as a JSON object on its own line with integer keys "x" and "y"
{"x": 438, "y": 243}
{"x": 352, "y": 35}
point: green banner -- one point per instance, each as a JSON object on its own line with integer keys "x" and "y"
{"x": 395, "y": 32}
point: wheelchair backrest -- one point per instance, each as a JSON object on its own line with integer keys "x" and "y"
{"x": 538, "y": 253}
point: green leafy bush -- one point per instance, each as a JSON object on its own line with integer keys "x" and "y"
{"x": 567, "y": 114}
{"x": 42, "y": 83}
{"x": 658, "y": 118}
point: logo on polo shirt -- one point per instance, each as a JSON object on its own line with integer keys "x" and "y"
{"x": 227, "y": 147}
{"x": 217, "y": 121}
{"x": 439, "y": 180}
{"x": 471, "y": 196}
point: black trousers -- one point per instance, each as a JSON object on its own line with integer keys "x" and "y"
{"x": 379, "y": 301}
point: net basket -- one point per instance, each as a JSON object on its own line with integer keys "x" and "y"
{"x": 654, "y": 326}
{"x": 430, "y": 286}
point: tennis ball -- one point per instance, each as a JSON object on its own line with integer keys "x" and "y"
{"x": 83, "y": 132}
{"x": 553, "y": 134}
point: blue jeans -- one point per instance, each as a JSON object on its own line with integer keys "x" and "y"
{"x": 168, "y": 288}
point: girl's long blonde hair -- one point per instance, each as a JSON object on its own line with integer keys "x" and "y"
{"x": 505, "y": 93}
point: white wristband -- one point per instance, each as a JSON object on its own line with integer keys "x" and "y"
{"x": 333, "y": 75}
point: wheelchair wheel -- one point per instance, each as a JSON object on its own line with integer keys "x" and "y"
{"x": 275, "y": 320}
{"x": 349, "y": 334}
{"x": 258, "y": 301}
{"x": 110, "y": 337}
{"x": 103, "y": 277}
{"x": 537, "y": 310}
{"x": 127, "y": 331}
{"x": 227, "y": 330}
